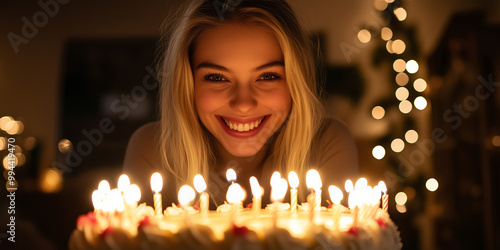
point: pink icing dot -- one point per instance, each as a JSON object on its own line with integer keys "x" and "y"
{"x": 240, "y": 231}
{"x": 354, "y": 231}
{"x": 381, "y": 223}
{"x": 249, "y": 205}
{"x": 144, "y": 222}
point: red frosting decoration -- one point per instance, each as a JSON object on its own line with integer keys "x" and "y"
{"x": 381, "y": 222}
{"x": 144, "y": 222}
{"x": 353, "y": 231}
{"x": 196, "y": 207}
{"x": 84, "y": 219}
{"x": 240, "y": 231}
{"x": 330, "y": 206}
{"x": 106, "y": 232}
{"x": 249, "y": 205}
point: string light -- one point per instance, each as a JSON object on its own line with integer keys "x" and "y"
{"x": 378, "y": 112}
{"x": 412, "y": 66}
{"x": 388, "y": 46}
{"x": 380, "y": 4}
{"x": 420, "y": 103}
{"x": 399, "y": 65}
{"x": 405, "y": 107}
{"x": 411, "y": 136}
{"x": 364, "y": 36}
{"x": 378, "y": 152}
{"x": 402, "y": 93}
{"x": 398, "y": 46}
{"x": 402, "y": 79}
{"x": 420, "y": 85}
{"x": 386, "y": 33}
{"x": 400, "y": 14}
{"x": 401, "y": 198}
{"x": 397, "y": 145}
{"x": 432, "y": 184}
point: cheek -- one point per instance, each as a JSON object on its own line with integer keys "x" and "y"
{"x": 207, "y": 101}
{"x": 279, "y": 100}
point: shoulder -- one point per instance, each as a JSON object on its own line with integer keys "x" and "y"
{"x": 333, "y": 130}
{"x": 145, "y": 134}
{"x": 143, "y": 146}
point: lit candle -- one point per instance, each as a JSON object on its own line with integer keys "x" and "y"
{"x": 313, "y": 181}
{"x": 257, "y": 195}
{"x": 132, "y": 195}
{"x": 336, "y": 196}
{"x": 385, "y": 196}
{"x": 231, "y": 175}
{"x": 123, "y": 183}
{"x": 278, "y": 192}
{"x": 234, "y": 196}
{"x": 97, "y": 200}
{"x": 185, "y": 196}
{"x": 293, "y": 179}
{"x": 348, "y": 186}
{"x": 200, "y": 186}
{"x": 104, "y": 187}
{"x": 353, "y": 205}
{"x": 156, "y": 186}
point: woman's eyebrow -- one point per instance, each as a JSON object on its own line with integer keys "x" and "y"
{"x": 222, "y": 68}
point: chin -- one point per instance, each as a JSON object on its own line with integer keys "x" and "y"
{"x": 244, "y": 149}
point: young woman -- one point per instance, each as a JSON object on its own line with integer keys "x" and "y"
{"x": 238, "y": 90}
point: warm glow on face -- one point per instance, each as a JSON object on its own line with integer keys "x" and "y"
{"x": 411, "y": 136}
{"x": 364, "y": 36}
{"x": 386, "y": 33}
{"x": 336, "y": 194}
{"x": 293, "y": 179}
{"x": 399, "y": 65}
{"x": 397, "y": 145}
{"x": 235, "y": 193}
{"x": 420, "y": 103}
{"x": 420, "y": 85}
{"x": 402, "y": 79}
{"x": 405, "y": 107}
{"x": 378, "y": 112}
{"x": 313, "y": 180}
{"x": 186, "y": 195}
{"x": 348, "y": 186}
{"x": 402, "y": 93}
{"x": 378, "y": 152}
{"x": 104, "y": 186}
{"x": 230, "y": 175}
{"x": 432, "y": 184}
{"x": 256, "y": 189}
{"x": 133, "y": 194}
{"x": 156, "y": 182}
{"x": 412, "y": 66}
{"x": 278, "y": 191}
{"x": 123, "y": 183}
{"x": 199, "y": 183}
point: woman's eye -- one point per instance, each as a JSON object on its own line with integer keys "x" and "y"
{"x": 269, "y": 76}
{"x": 214, "y": 78}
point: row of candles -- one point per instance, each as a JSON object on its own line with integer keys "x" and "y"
{"x": 360, "y": 195}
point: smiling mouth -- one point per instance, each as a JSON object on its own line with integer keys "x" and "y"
{"x": 243, "y": 127}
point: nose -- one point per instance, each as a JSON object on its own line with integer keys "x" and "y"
{"x": 244, "y": 99}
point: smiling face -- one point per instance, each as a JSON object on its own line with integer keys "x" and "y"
{"x": 240, "y": 89}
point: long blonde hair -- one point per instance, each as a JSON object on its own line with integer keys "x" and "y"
{"x": 185, "y": 145}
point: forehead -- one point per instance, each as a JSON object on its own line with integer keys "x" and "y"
{"x": 229, "y": 43}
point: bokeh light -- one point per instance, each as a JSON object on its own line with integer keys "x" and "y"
{"x": 405, "y": 107}
{"x": 380, "y": 5}
{"x": 401, "y": 208}
{"x": 21, "y": 159}
{"x": 398, "y": 46}
{"x": 386, "y": 33}
{"x": 496, "y": 140}
{"x": 412, "y": 66}
{"x": 399, "y": 65}
{"x": 420, "y": 103}
{"x": 401, "y": 198}
{"x": 4, "y": 120}
{"x": 364, "y": 36}
{"x": 65, "y": 146}
{"x": 14, "y": 127}
{"x": 402, "y": 79}
{"x": 420, "y": 85}
{"x": 29, "y": 143}
{"x": 388, "y": 46}
{"x": 51, "y": 180}
{"x": 7, "y": 164}
{"x": 432, "y": 184}
{"x": 378, "y": 112}
{"x": 402, "y": 93}
{"x": 400, "y": 14}
{"x": 378, "y": 152}
{"x": 411, "y": 136}
{"x": 3, "y": 143}
{"x": 397, "y": 145}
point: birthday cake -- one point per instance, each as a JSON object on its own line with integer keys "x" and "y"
{"x": 364, "y": 225}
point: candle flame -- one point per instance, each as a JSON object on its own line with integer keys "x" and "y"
{"x": 186, "y": 195}
{"x": 104, "y": 186}
{"x": 235, "y": 193}
{"x": 360, "y": 184}
{"x": 382, "y": 186}
{"x": 133, "y": 194}
{"x": 293, "y": 179}
{"x": 336, "y": 194}
{"x": 97, "y": 196}
{"x": 348, "y": 186}
{"x": 117, "y": 200}
{"x": 313, "y": 180}
{"x": 256, "y": 189}
{"x": 156, "y": 182}
{"x": 123, "y": 182}
{"x": 278, "y": 190}
{"x": 376, "y": 195}
{"x": 230, "y": 175}
{"x": 199, "y": 183}
{"x": 275, "y": 178}
{"x": 354, "y": 199}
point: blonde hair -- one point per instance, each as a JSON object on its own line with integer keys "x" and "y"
{"x": 186, "y": 147}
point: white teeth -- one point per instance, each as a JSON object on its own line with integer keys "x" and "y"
{"x": 241, "y": 127}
